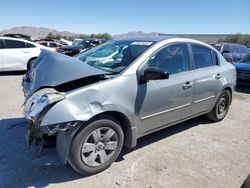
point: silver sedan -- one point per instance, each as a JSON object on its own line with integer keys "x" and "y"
{"x": 115, "y": 93}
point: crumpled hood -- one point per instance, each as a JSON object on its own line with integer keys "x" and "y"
{"x": 52, "y": 69}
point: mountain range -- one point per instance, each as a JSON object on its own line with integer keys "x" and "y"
{"x": 41, "y": 32}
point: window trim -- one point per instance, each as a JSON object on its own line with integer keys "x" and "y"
{"x": 159, "y": 49}
{"x": 3, "y": 44}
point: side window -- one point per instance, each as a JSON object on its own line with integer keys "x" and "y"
{"x": 29, "y": 45}
{"x": 173, "y": 58}
{"x": 215, "y": 58}
{"x": 1, "y": 44}
{"x": 14, "y": 44}
{"x": 53, "y": 45}
{"x": 234, "y": 49}
{"x": 44, "y": 43}
{"x": 202, "y": 56}
{"x": 243, "y": 49}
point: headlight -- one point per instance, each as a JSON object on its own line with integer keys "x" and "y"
{"x": 50, "y": 98}
{"x": 36, "y": 104}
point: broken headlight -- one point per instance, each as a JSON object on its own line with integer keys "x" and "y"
{"x": 37, "y": 103}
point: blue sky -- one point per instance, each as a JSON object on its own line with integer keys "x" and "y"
{"x": 114, "y": 16}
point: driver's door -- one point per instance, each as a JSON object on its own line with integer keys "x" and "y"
{"x": 161, "y": 102}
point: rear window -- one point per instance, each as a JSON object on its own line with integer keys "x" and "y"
{"x": 14, "y": 44}
{"x": 1, "y": 44}
{"x": 44, "y": 43}
{"x": 29, "y": 45}
{"x": 202, "y": 56}
{"x": 53, "y": 45}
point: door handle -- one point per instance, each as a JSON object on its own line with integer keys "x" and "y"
{"x": 217, "y": 76}
{"x": 25, "y": 52}
{"x": 187, "y": 85}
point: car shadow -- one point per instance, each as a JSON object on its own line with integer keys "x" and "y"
{"x": 12, "y": 73}
{"x": 164, "y": 133}
{"x": 22, "y": 166}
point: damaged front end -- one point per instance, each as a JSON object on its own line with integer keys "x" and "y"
{"x": 36, "y": 108}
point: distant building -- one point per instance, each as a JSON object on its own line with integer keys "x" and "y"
{"x": 208, "y": 38}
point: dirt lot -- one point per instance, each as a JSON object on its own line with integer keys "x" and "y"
{"x": 197, "y": 153}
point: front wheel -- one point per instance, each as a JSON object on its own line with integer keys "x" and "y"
{"x": 96, "y": 146}
{"x": 221, "y": 107}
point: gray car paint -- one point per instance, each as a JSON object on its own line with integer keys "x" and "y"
{"x": 141, "y": 104}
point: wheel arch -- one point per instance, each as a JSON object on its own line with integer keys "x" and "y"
{"x": 28, "y": 64}
{"x": 228, "y": 88}
{"x": 130, "y": 136}
{"x": 64, "y": 138}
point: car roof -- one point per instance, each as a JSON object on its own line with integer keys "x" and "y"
{"x": 146, "y": 38}
{"x": 230, "y": 43}
{"x": 12, "y": 38}
{"x": 159, "y": 39}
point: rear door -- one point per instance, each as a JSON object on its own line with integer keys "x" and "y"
{"x": 15, "y": 55}
{"x": 1, "y": 54}
{"x": 207, "y": 78}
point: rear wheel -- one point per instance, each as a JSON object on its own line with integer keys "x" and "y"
{"x": 96, "y": 146}
{"x": 30, "y": 63}
{"x": 221, "y": 107}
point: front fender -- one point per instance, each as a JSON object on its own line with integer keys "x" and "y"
{"x": 67, "y": 111}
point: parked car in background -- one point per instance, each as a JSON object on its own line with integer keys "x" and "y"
{"x": 78, "y": 46}
{"x": 18, "y": 54}
{"x": 51, "y": 44}
{"x": 231, "y": 51}
{"x": 248, "y": 50}
{"x": 243, "y": 70}
{"x": 66, "y": 42}
{"x": 97, "y": 105}
{"x": 18, "y": 36}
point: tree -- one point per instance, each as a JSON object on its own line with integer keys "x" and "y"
{"x": 237, "y": 38}
{"x": 81, "y": 36}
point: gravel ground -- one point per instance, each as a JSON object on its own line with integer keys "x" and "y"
{"x": 196, "y": 153}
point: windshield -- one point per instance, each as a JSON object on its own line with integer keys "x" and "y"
{"x": 76, "y": 42}
{"x": 114, "y": 56}
{"x": 245, "y": 59}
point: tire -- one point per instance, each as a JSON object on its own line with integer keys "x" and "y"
{"x": 91, "y": 150}
{"x": 30, "y": 63}
{"x": 221, "y": 107}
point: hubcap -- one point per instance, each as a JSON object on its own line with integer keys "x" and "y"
{"x": 99, "y": 146}
{"x": 222, "y": 106}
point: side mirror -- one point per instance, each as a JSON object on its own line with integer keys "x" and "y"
{"x": 225, "y": 52}
{"x": 154, "y": 73}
